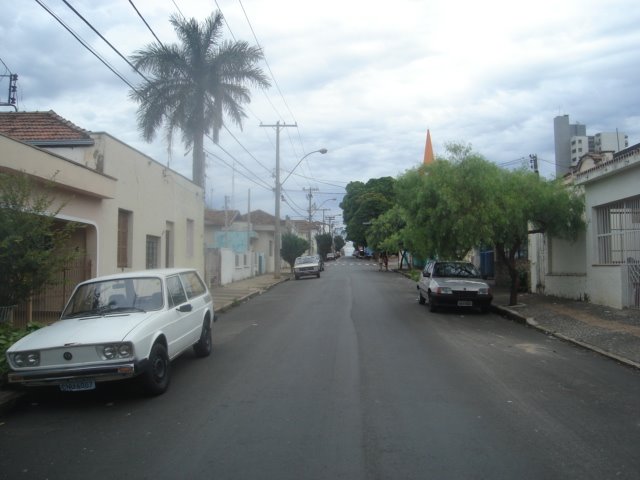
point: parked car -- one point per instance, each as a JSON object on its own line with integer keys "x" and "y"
{"x": 306, "y": 265}
{"x": 453, "y": 284}
{"x": 321, "y": 262}
{"x": 116, "y": 327}
{"x": 331, "y": 256}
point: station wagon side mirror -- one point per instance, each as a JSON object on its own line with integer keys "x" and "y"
{"x": 185, "y": 308}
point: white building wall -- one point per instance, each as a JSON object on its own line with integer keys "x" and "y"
{"x": 610, "y": 141}
{"x": 573, "y": 270}
{"x": 579, "y": 145}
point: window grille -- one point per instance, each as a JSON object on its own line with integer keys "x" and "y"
{"x": 618, "y": 232}
{"x": 153, "y": 251}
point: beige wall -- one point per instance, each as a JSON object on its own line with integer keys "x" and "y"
{"x": 130, "y": 180}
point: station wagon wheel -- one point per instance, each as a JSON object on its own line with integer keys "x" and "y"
{"x": 204, "y": 346}
{"x": 155, "y": 380}
{"x": 422, "y": 300}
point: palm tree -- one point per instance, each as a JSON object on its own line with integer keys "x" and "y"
{"x": 191, "y": 84}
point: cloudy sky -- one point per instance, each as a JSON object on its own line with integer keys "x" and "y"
{"x": 364, "y": 79}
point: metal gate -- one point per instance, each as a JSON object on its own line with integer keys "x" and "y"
{"x": 47, "y": 304}
{"x": 634, "y": 284}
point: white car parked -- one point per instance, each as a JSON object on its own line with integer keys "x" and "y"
{"x": 116, "y": 327}
{"x": 453, "y": 284}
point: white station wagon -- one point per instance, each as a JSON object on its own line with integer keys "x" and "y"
{"x": 119, "y": 326}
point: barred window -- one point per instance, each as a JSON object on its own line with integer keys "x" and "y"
{"x": 618, "y": 232}
{"x": 124, "y": 238}
{"x": 153, "y": 251}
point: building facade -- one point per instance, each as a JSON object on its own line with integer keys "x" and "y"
{"x": 603, "y": 265}
{"x": 134, "y": 212}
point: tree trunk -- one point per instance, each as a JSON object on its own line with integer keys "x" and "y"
{"x": 198, "y": 161}
{"x": 509, "y": 261}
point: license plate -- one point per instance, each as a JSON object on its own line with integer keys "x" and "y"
{"x": 78, "y": 385}
{"x": 465, "y": 303}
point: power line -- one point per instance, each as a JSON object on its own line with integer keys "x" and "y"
{"x": 245, "y": 149}
{"x": 259, "y": 180}
{"x": 145, "y": 22}
{"x": 224, "y": 162}
{"x": 85, "y": 45}
{"x": 264, "y": 56}
{"x": 104, "y": 39}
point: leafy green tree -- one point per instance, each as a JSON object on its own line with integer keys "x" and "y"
{"x": 191, "y": 84}
{"x": 292, "y": 247}
{"x": 363, "y": 203}
{"x": 385, "y": 232}
{"x": 453, "y": 205}
{"x": 324, "y": 244}
{"x": 338, "y": 242}
{"x": 33, "y": 244}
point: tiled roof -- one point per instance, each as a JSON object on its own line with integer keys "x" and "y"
{"x": 220, "y": 217}
{"x": 260, "y": 217}
{"x": 42, "y": 128}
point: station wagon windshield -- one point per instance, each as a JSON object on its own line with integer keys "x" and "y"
{"x": 300, "y": 260}
{"x": 113, "y": 296}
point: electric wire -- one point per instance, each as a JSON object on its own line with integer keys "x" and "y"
{"x": 259, "y": 180}
{"x": 224, "y": 162}
{"x": 85, "y": 45}
{"x": 105, "y": 40}
{"x": 145, "y": 22}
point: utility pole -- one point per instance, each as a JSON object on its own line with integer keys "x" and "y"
{"x": 310, "y": 196}
{"x": 13, "y": 88}
{"x": 277, "y": 240}
{"x": 533, "y": 162}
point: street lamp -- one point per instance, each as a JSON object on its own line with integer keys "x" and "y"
{"x": 277, "y": 240}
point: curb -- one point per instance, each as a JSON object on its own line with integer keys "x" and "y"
{"x": 530, "y": 322}
{"x": 248, "y": 296}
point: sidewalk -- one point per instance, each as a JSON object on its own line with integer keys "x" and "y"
{"x": 608, "y": 331}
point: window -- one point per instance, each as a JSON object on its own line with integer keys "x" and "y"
{"x": 153, "y": 251}
{"x": 190, "y": 238}
{"x": 168, "y": 254}
{"x": 618, "y": 232}
{"x": 124, "y": 238}
{"x": 190, "y": 235}
{"x": 193, "y": 284}
{"x": 175, "y": 291}
{"x": 271, "y": 248}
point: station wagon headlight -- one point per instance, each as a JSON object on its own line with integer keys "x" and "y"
{"x": 26, "y": 359}
{"x": 444, "y": 290}
{"x": 484, "y": 291}
{"x": 115, "y": 351}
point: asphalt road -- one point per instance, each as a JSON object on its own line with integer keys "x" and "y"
{"x": 347, "y": 377}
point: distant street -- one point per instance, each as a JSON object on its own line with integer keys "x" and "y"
{"x": 347, "y": 377}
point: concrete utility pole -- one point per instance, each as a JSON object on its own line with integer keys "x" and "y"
{"x": 277, "y": 240}
{"x": 310, "y": 196}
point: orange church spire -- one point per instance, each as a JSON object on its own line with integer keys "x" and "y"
{"x": 428, "y": 150}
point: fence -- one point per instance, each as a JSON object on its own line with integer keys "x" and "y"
{"x": 47, "y": 304}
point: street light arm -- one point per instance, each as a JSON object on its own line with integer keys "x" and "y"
{"x": 322, "y": 151}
